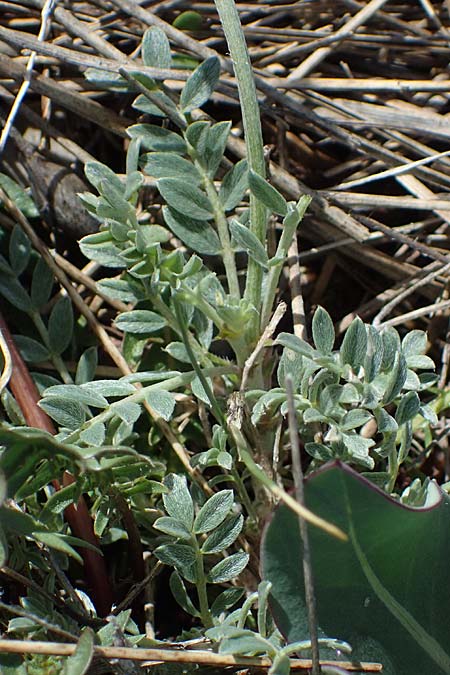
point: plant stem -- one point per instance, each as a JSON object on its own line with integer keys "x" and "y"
{"x": 234, "y": 35}
{"x": 201, "y": 586}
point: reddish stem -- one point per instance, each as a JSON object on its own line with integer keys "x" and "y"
{"x": 77, "y": 516}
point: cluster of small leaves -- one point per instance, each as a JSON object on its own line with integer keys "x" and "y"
{"x": 372, "y": 378}
{"x": 192, "y": 538}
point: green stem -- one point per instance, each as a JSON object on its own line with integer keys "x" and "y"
{"x": 222, "y": 229}
{"x": 201, "y": 586}
{"x": 56, "y": 358}
{"x": 234, "y": 34}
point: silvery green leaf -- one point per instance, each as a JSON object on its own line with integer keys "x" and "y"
{"x": 391, "y": 345}
{"x": 178, "y": 502}
{"x": 358, "y": 449}
{"x": 408, "y": 407}
{"x": 173, "y": 527}
{"x": 296, "y": 344}
{"x": 319, "y": 451}
{"x": 406, "y": 436}
{"x": 414, "y": 343}
{"x": 200, "y": 85}
{"x": 106, "y": 80}
{"x": 128, "y": 411}
{"x": 199, "y": 391}
{"x": 98, "y": 173}
{"x": 59, "y": 501}
{"x": 224, "y": 535}
{"x": 31, "y": 350}
{"x": 226, "y": 600}
{"x": 427, "y": 380}
{"x": 267, "y": 194}
{"x": 133, "y": 184}
{"x": 162, "y": 402}
{"x": 41, "y": 284}
{"x": 420, "y": 361}
{"x": 355, "y": 418}
{"x": 143, "y": 104}
{"x": 196, "y": 234}
{"x": 60, "y": 326}
{"x": 156, "y": 48}
{"x": 178, "y": 351}
{"x": 386, "y": 423}
{"x": 228, "y": 569}
{"x": 429, "y": 414}
{"x": 110, "y": 388}
{"x": 79, "y": 662}
{"x": 19, "y": 196}
{"x": 374, "y": 356}
{"x": 180, "y": 594}
{"x": 323, "y": 331}
{"x": 140, "y": 321}
{"x": 67, "y": 413}
{"x": 146, "y": 238}
{"x": 412, "y": 381}
{"x": 291, "y": 364}
{"x": 94, "y": 434}
{"x": 186, "y": 198}
{"x": 213, "y": 512}
{"x": 282, "y": 666}
{"x": 180, "y": 556}
{"x": 349, "y": 394}
{"x": 354, "y": 345}
{"x": 249, "y": 242}
{"x": 19, "y": 250}
{"x": 397, "y": 379}
{"x": 101, "y": 248}
{"x": 87, "y": 366}
{"x": 79, "y": 394}
{"x": 14, "y": 292}
{"x": 169, "y": 165}
{"x": 245, "y": 642}
{"x": 313, "y": 415}
{"x": 157, "y": 138}
{"x": 234, "y": 185}
{"x": 215, "y": 139}
{"x": 195, "y": 134}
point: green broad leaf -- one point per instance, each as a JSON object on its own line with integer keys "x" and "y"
{"x": 414, "y": 343}
{"x": 121, "y": 289}
{"x": 58, "y": 542}
{"x": 156, "y": 138}
{"x": 69, "y": 414}
{"x": 110, "y": 388}
{"x": 234, "y": 185}
{"x": 19, "y": 250}
{"x": 156, "y": 49}
{"x": 169, "y": 165}
{"x": 198, "y": 235}
{"x": 87, "y": 365}
{"x": 319, "y": 451}
{"x": 98, "y": 173}
{"x": 179, "y": 592}
{"x": 354, "y": 345}
{"x": 81, "y": 659}
{"x": 245, "y": 642}
{"x": 408, "y": 408}
{"x": 224, "y": 535}
{"x": 178, "y": 502}
{"x": 358, "y": 449}
{"x": 41, "y": 284}
{"x": 188, "y": 20}
{"x": 228, "y": 569}
{"x": 14, "y": 292}
{"x": 323, "y": 331}
{"x": 128, "y": 411}
{"x": 140, "y": 321}
{"x": 295, "y": 344}
{"x": 19, "y": 196}
{"x": 31, "y": 350}
{"x": 186, "y": 198}
{"x": 391, "y": 346}
{"x": 397, "y": 379}
{"x": 59, "y": 501}
{"x": 200, "y": 85}
{"x": 180, "y": 556}
{"x": 267, "y": 194}
{"x": 246, "y": 240}
{"x": 60, "y": 326}
{"x": 227, "y": 599}
{"x": 162, "y": 402}
{"x": 375, "y": 585}
{"x": 101, "y": 248}
{"x": 173, "y": 527}
{"x": 107, "y": 80}
{"x": 143, "y": 104}
{"x": 420, "y": 361}
{"x": 79, "y": 394}
{"x": 355, "y": 418}
{"x": 94, "y": 434}
{"x": 212, "y": 146}
{"x": 374, "y": 356}
{"x": 213, "y": 512}
{"x": 17, "y": 522}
